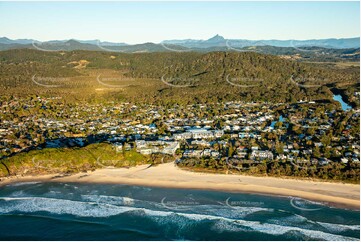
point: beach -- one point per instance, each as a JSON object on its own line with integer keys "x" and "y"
{"x": 169, "y": 176}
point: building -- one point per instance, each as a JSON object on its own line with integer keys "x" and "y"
{"x": 261, "y": 154}
{"x": 201, "y": 133}
{"x": 154, "y": 147}
{"x": 118, "y": 147}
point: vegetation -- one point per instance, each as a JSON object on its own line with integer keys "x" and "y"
{"x": 203, "y": 77}
{"x": 332, "y": 172}
{"x": 73, "y": 160}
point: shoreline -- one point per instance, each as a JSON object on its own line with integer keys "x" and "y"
{"x": 169, "y": 176}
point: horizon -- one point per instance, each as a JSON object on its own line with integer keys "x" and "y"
{"x": 140, "y": 22}
{"x": 145, "y": 41}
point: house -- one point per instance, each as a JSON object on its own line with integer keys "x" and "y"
{"x": 218, "y": 133}
{"x": 344, "y": 160}
{"x": 214, "y": 153}
{"x": 281, "y": 157}
{"x": 201, "y": 133}
{"x": 182, "y": 136}
{"x": 261, "y": 154}
{"x": 201, "y": 143}
{"x": 140, "y": 144}
{"x": 307, "y": 152}
{"x": 170, "y": 148}
{"x": 192, "y": 153}
{"x": 159, "y": 146}
{"x": 324, "y": 161}
{"x": 206, "y": 152}
{"x": 146, "y": 151}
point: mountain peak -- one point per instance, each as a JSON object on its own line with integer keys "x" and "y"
{"x": 72, "y": 41}
{"x": 216, "y": 38}
{"x": 5, "y": 40}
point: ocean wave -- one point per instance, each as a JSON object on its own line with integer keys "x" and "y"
{"x": 300, "y": 221}
{"x": 306, "y": 205}
{"x": 61, "y": 206}
{"x": 18, "y": 193}
{"x": 337, "y": 228}
{"x": 22, "y": 184}
{"x": 236, "y": 225}
{"x": 275, "y": 229}
{"x": 100, "y": 209}
{"x": 217, "y": 210}
{"x": 113, "y": 200}
{"x": 285, "y": 218}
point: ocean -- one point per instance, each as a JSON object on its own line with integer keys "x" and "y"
{"x": 79, "y": 211}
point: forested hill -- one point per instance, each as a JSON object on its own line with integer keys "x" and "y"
{"x": 214, "y": 75}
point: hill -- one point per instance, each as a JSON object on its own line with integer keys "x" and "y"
{"x": 171, "y": 76}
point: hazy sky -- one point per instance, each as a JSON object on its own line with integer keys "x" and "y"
{"x": 139, "y": 22}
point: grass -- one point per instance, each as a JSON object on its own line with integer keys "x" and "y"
{"x": 70, "y": 160}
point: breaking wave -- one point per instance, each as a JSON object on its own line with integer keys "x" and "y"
{"x": 222, "y": 218}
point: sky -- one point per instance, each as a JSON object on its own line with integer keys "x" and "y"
{"x": 139, "y": 22}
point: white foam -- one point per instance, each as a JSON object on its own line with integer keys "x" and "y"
{"x": 61, "y": 206}
{"x": 274, "y": 229}
{"x": 18, "y": 193}
{"x": 217, "y": 210}
{"x": 114, "y": 200}
{"x": 281, "y": 229}
{"x": 223, "y": 225}
{"x": 14, "y": 198}
{"x": 95, "y": 209}
{"x": 298, "y": 219}
{"x": 294, "y": 219}
{"x": 336, "y": 228}
{"x": 22, "y": 184}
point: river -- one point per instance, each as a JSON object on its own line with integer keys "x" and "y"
{"x": 344, "y": 105}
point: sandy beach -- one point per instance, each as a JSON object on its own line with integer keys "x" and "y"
{"x": 168, "y": 175}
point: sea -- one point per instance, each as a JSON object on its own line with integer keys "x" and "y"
{"x": 80, "y": 211}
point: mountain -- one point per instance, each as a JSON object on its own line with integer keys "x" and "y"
{"x": 5, "y": 40}
{"x": 325, "y": 43}
{"x": 311, "y": 50}
{"x": 61, "y": 45}
{"x": 96, "y": 45}
{"x": 215, "y": 41}
{"x": 239, "y": 43}
{"x": 103, "y": 43}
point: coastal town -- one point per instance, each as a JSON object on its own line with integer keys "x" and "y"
{"x": 242, "y": 134}
{"x": 180, "y": 120}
